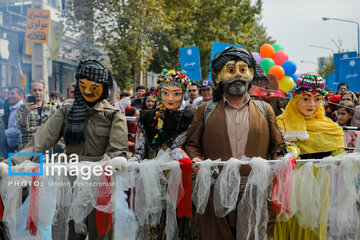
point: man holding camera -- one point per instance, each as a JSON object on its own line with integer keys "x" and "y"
{"x": 31, "y": 115}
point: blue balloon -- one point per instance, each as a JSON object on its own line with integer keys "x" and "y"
{"x": 294, "y": 76}
{"x": 289, "y": 67}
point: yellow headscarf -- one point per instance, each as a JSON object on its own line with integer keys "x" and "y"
{"x": 312, "y": 134}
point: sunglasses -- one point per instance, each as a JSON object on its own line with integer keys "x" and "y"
{"x": 192, "y": 90}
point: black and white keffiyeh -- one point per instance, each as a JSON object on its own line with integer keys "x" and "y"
{"x": 75, "y": 123}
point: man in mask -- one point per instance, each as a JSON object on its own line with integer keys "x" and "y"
{"x": 91, "y": 127}
{"x": 232, "y": 125}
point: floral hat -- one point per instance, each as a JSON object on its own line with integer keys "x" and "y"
{"x": 167, "y": 78}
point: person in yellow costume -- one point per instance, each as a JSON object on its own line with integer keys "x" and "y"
{"x": 309, "y": 135}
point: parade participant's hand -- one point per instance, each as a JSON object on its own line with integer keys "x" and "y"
{"x": 3, "y": 169}
{"x": 196, "y": 168}
{"x": 119, "y": 164}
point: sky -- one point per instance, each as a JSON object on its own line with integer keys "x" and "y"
{"x": 296, "y": 24}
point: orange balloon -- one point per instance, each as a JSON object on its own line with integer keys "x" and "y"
{"x": 267, "y": 51}
{"x": 278, "y": 71}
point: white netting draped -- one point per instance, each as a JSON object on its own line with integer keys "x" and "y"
{"x": 158, "y": 192}
{"x": 202, "y": 185}
{"x": 253, "y": 204}
{"x": 227, "y": 187}
{"x": 323, "y": 196}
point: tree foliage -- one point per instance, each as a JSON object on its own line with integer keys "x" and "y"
{"x": 145, "y": 35}
{"x": 328, "y": 67}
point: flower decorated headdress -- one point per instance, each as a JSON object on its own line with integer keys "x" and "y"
{"x": 310, "y": 82}
{"x": 167, "y": 78}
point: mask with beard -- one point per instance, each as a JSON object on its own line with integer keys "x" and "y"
{"x": 236, "y": 87}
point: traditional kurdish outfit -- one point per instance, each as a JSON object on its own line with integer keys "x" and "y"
{"x": 161, "y": 129}
{"x": 314, "y": 136}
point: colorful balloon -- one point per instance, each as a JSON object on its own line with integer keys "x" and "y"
{"x": 277, "y": 47}
{"x": 294, "y": 76}
{"x": 280, "y": 57}
{"x": 286, "y": 84}
{"x": 289, "y": 67}
{"x": 278, "y": 71}
{"x": 257, "y": 56}
{"x": 266, "y": 64}
{"x": 267, "y": 51}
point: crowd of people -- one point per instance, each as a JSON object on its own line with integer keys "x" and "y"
{"x": 212, "y": 120}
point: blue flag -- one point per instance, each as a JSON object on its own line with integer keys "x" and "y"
{"x": 190, "y": 62}
{"x": 337, "y": 58}
{"x": 349, "y": 72}
{"x": 219, "y": 47}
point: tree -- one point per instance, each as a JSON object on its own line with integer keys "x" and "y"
{"x": 145, "y": 35}
{"x": 328, "y": 67}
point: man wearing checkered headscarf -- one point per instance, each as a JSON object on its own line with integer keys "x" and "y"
{"x": 91, "y": 127}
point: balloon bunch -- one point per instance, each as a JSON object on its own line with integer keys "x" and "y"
{"x": 274, "y": 60}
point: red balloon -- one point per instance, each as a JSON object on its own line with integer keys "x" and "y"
{"x": 267, "y": 51}
{"x": 280, "y": 57}
{"x": 278, "y": 71}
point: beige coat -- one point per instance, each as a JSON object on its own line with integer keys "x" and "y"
{"x": 105, "y": 133}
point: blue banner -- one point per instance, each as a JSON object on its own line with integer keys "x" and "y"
{"x": 338, "y": 57}
{"x": 190, "y": 62}
{"x": 219, "y": 47}
{"x": 349, "y": 72}
{"x": 331, "y": 82}
{"x": 9, "y": 47}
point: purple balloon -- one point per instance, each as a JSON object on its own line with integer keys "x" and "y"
{"x": 257, "y": 56}
{"x": 297, "y": 74}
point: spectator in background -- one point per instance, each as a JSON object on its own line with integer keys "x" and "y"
{"x": 125, "y": 101}
{"x": 137, "y": 102}
{"x": 55, "y": 97}
{"x": 331, "y": 93}
{"x": 194, "y": 97}
{"x": 132, "y": 126}
{"x": 149, "y": 102}
{"x": 357, "y": 97}
{"x": 342, "y": 88}
{"x": 12, "y": 132}
{"x": 345, "y": 112}
{"x": 348, "y": 96}
{"x": 31, "y": 115}
{"x": 70, "y": 91}
{"x": 124, "y": 95}
{"x": 3, "y": 96}
{"x": 3, "y": 146}
{"x": 206, "y": 90}
{"x": 331, "y": 106}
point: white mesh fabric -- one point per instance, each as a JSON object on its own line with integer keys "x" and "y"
{"x": 252, "y": 212}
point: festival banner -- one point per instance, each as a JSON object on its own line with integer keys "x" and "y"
{"x": 190, "y": 62}
{"x": 331, "y": 82}
{"x": 56, "y": 33}
{"x": 37, "y": 25}
{"x": 349, "y": 72}
{"x": 338, "y": 57}
{"x": 218, "y": 47}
